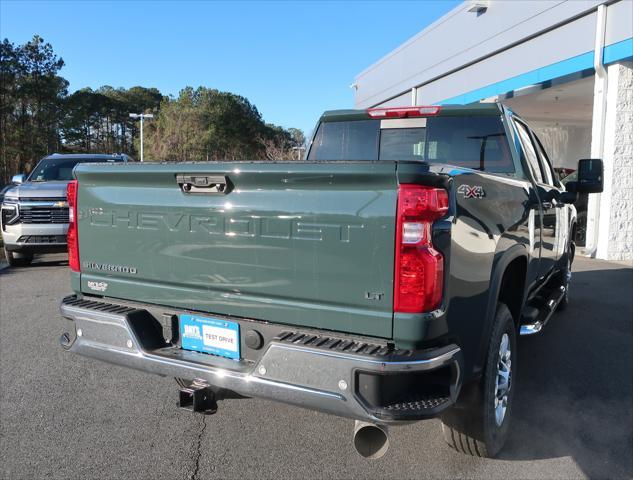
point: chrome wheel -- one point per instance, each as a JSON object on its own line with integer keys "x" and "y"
{"x": 504, "y": 373}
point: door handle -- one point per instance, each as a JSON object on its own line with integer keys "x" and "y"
{"x": 193, "y": 183}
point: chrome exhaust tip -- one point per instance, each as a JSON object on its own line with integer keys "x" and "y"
{"x": 370, "y": 440}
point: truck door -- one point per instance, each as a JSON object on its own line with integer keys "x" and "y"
{"x": 562, "y": 220}
{"x": 545, "y": 204}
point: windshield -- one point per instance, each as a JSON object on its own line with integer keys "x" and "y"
{"x": 51, "y": 169}
{"x": 476, "y": 142}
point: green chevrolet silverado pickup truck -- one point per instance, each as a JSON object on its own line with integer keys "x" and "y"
{"x": 385, "y": 278}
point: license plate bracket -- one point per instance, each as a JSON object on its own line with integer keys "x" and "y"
{"x": 215, "y": 336}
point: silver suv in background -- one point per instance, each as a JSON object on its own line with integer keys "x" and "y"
{"x": 34, "y": 213}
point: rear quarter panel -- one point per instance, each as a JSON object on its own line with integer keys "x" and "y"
{"x": 491, "y": 221}
{"x": 489, "y": 216}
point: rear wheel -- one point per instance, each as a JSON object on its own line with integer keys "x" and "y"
{"x": 17, "y": 259}
{"x": 478, "y": 423}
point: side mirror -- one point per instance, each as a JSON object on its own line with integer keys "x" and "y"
{"x": 18, "y": 179}
{"x": 590, "y": 177}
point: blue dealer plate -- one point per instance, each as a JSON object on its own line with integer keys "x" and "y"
{"x": 210, "y": 335}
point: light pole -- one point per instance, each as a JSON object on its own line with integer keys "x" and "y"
{"x": 141, "y": 116}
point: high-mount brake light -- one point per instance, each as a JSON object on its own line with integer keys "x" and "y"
{"x": 419, "y": 267}
{"x": 404, "y": 112}
{"x": 72, "y": 237}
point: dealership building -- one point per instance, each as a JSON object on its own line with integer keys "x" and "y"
{"x": 566, "y": 66}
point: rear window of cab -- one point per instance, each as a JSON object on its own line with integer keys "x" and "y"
{"x": 476, "y": 142}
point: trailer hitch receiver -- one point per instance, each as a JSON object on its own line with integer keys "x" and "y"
{"x": 198, "y": 398}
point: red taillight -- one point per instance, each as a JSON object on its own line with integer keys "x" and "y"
{"x": 403, "y": 112}
{"x": 72, "y": 237}
{"x": 419, "y": 268}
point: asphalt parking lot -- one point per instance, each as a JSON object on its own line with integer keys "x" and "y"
{"x": 63, "y": 416}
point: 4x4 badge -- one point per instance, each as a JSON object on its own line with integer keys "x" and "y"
{"x": 471, "y": 192}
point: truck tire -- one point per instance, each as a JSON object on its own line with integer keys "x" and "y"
{"x": 16, "y": 259}
{"x": 478, "y": 423}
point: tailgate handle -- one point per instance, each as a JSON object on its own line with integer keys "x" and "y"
{"x": 205, "y": 184}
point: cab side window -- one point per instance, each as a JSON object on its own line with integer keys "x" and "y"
{"x": 529, "y": 151}
{"x": 550, "y": 175}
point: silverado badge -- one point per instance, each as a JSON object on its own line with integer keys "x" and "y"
{"x": 105, "y": 267}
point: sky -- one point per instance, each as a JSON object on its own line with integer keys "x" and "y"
{"x": 293, "y": 60}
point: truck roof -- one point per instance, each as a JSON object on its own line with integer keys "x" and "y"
{"x": 104, "y": 156}
{"x": 483, "y": 109}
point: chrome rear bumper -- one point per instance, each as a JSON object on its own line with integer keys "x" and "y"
{"x": 300, "y": 375}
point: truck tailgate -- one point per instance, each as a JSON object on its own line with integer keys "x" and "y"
{"x": 308, "y": 244}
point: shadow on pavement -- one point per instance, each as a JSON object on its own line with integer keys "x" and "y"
{"x": 49, "y": 263}
{"x": 575, "y": 390}
{"x": 56, "y": 260}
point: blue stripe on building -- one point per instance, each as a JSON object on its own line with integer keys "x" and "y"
{"x": 611, "y": 53}
{"x": 618, "y": 51}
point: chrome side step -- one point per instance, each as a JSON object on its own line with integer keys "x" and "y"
{"x": 545, "y": 312}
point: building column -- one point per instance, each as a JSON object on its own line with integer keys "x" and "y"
{"x": 614, "y": 235}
